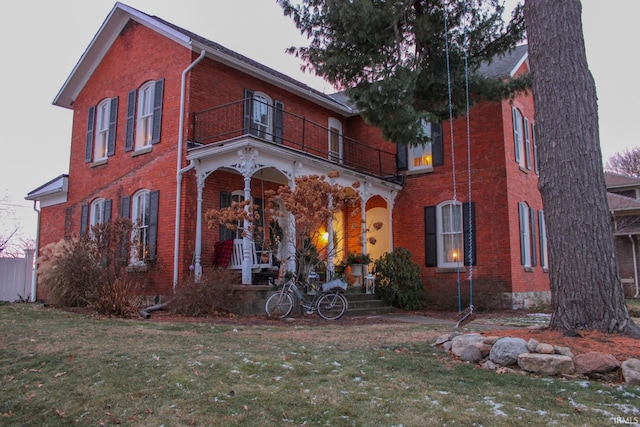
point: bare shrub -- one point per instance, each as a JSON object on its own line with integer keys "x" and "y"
{"x": 119, "y": 298}
{"x": 212, "y": 295}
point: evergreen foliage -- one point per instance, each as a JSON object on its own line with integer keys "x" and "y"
{"x": 398, "y": 280}
{"x": 391, "y": 57}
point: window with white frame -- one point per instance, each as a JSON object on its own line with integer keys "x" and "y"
{"x": 518, "y": 137}
{"x": 238, "y": 197}
{"x": 144, "y": 126}
{"x": 542, "y": 229}
{"x": 103, "y": 114}
{"x": 335, "y": 140}
{"x": 261, "y": 116}
{"x": 449, "y": 234}
{"x": 526, "y": 217}
{"x": 140, "y": 215}
{"x": 97, "y": 212}
{"x": 421, "y": 156}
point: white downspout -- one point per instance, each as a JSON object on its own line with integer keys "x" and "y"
{"x": 635, "y": 264}
{"x": 180, "y": 171}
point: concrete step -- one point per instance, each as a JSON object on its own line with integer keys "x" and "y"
{"x": 361, "y": 304}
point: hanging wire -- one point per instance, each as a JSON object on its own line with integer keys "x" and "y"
{"x": 453, "y": 152}
{"x": 468, "y": 124}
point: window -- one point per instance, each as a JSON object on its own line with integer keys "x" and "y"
{"x": 527, "y": 221}
{"x": 101, "y": 130}
{"x": 535, "y": 148}
{"x": 542, "y": 229}
{"x": 144, "y": 116}
{"x": 449, "y": 239}
{"x": 527, "y": 144}
{"x": 420, "y": 156}
{"x": 518, "y": 137}
{"x": 97, "y": 213}
{"x": 263, "y": 117}
{"x": 144, "y": 216}
{"x": 335, "y": 140}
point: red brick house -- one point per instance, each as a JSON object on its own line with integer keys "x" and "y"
{"x": 168, "y": 124}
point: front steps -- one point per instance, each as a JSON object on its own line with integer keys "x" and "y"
{"x": 362, "y": 304}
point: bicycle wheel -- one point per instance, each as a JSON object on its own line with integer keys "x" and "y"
{"x": 332, "y": 306}
{"x": 279, "y": 305}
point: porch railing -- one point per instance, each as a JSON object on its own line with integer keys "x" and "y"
{"x": 275, "y": 126}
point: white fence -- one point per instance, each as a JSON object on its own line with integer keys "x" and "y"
{"x": 16, "y": 276}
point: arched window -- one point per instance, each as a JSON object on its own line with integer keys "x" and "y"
{"x": 261, "y": 116}
{"x": 140, "y": 216}
{"x": 97, "y": 215}
{"x": 449, "y": 234}
{"x": 103, "y": 114}
{"x": 144, "y": 128}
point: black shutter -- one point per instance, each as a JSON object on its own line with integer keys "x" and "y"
{"x": 157, "y": 111}
{"x": 278, "y": 122}
{"x": 225, "y": 200}
{"x": 88, "y": 148}
{"x": 248, "y": 104}
{"x": 84, "y": 219}
{"x": 535, "y": 148}
{"x": 542, "y": 231}
{"x": 402, "y": 153}
{"x": 437, "y": 149}
{"x": 106, "y": 215}
{"x": 113, "y": 119}
{"x": 430, "y": 237}
{"x": 154, "y": 197}
{"x": 469, "y": 232}
{"x": 131, "y": 118}
{"x": 125, "y": 208}
{"x": 532, "y": 223}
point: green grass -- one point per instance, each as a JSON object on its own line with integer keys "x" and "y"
{"x": 59, "y": 368}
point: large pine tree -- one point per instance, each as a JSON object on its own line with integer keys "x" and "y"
{"x": 391, "y": 57}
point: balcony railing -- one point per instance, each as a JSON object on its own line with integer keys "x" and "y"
{"x": 275, "y": 126}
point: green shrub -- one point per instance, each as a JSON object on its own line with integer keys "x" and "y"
{"x": 212, "y": 295}
{"x": 398, "y": 280}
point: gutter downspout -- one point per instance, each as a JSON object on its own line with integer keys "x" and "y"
{"x": 34, "y": 279}
{"x": 180, "y": 171}
{"x": 635, "y": 264}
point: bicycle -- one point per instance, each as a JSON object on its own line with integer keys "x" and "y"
{"x": 327, "y": 301}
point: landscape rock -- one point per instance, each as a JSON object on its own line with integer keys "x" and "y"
{"x": 488, "y": 364}
{"x": 491, "y": 340}
{"x": 595, "y": 362}
{"x": 442, "y": 339}
{"x": 543, "y": 348}
{"x": 631, "y": 371}
{"x": 506, "y": 351}
{"x": 546, "y": 364}
{"x": 532, "y": 344}
{"x": 459, "y": 342}
{"x": 447, "y": 346}
{"x": 471, "y": 353}
{"x": 565, "y": 351}
{"x": 484, "y": 348}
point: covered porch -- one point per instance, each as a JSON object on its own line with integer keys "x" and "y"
{"x": 244, "y": 166}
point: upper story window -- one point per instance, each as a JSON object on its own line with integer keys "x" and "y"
{"x": 101, "y": 130}
{"x": 522, "y": 140}
{"x": 335, "y": 140}
{"x": 421, "y": 156}
{"x": 144, "y": 116}
{"x": 263, "y": 117}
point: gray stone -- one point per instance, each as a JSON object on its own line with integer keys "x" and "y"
{"x": 442, "y": 339}
{"x": 447, "y": 346}
{"x": 461, "y": 341}
{"x": 491, "y": 340}
{"x": 532, "y": 344}
{"x": 631, "y": 371}
{"x": 506, "y": 350}
{"x": 543, "y": 348}
{"x": 595, "y": 362}
{"x": 471, "y": 353}
{"x": 488, "y": 364}
{"x": 484, "y": 348}
{"x": 565, "y": 351}
{"x": 546, "y": 364}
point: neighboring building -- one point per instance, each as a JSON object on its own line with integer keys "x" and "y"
{"x": 623, "y": 196}
{"x": 247, "y": 128}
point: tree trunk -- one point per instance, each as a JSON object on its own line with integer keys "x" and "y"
{"x": 586, "y": 292}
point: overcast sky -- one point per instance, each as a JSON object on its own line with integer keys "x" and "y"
{"x": 42, "y": 40}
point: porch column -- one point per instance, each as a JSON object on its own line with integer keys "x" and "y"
{"x": 198, "y": 248}
{"x": 247, "y": 238}
{"x": 364, "y": 195}
{"x": 390, "y": 202}
{"x": 330, "y": 246}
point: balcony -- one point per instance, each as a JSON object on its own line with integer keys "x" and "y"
{"x": 273, "y": 125}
